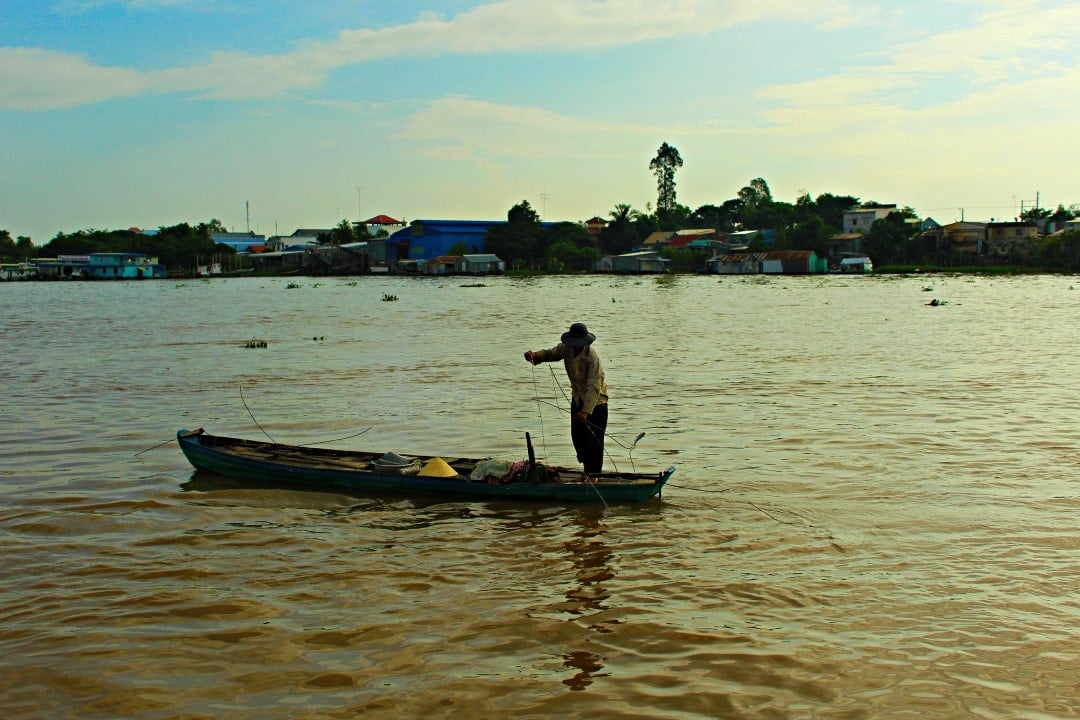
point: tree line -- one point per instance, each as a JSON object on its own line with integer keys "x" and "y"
{"x": 178, "y": 247}
{"x": 806, "y": 224}
{"x": 527, "y": 244}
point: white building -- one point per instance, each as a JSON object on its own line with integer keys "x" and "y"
{"x": 861, "y": 217}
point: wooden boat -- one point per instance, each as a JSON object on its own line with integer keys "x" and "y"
{"x": 322, "y": 467}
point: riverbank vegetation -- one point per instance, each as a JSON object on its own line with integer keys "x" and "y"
{"x": 179, "y": 247}
{"x": 528, "y": 245}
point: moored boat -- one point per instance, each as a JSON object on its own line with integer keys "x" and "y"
{"x": 311, "y": 467}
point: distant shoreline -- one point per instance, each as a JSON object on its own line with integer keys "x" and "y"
{"x": 889, "y": 270}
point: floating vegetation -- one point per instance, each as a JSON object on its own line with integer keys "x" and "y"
{"x": 387, "y": 297}
{"x": 351, "y": 284}
{"x": 253, "y": 343}
{"x": 293, "y": 286}
{"x": 319, "y": 338}
{"x": 475, "y": 285}
{"x": 936, "y": 303}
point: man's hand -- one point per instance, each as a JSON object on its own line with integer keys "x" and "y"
{"x": 581, "y": 416}
{"x": 530, "y": 356}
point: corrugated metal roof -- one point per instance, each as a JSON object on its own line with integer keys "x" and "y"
{"x": 740, "y": 257}
{"x": 789, "y": 255}
{"x": 658, "y": 238}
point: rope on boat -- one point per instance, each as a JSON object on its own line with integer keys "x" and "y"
{"x": 172, "y": 439}
{"x": 253, "y": 416}
{"x": 347, "y": 437}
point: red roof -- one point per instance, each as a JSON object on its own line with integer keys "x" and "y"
{"x": 382, "y": 220}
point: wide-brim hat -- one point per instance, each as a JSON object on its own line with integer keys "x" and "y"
{"x": 578, "y": 336}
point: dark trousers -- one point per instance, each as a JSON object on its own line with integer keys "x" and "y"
{"x": 588, "y": 437}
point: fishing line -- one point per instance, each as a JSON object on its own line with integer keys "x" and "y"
{"x": 591, "y": 427}
{"x": 315, "y": 442}
{"x": 555, "y": 382}
{"x": 536, "y": 395}
{"x": 543, "y": 438}
{"x": 751, "y": 503}
{"x": 253, "y": 416}
{"x": 608, "y": 435}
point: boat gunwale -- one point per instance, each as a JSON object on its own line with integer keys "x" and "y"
{"x": 215, "y": 453}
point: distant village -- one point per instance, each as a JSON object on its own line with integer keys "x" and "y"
{"x": 458, "y": 247}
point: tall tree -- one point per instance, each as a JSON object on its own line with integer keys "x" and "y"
{"x": 343, "y": 234}
{"x": 756, "y": 193}
{"x": 664, "y": 165}
{"x": 520, "y": 242}
{"x": 7, "y": 246}
{"x": 24, "y": 248}
{"x": 570, "y": 247}
{"x": 831, "y": 208}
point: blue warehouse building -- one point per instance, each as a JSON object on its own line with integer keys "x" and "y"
{"x": 430, "y": 239}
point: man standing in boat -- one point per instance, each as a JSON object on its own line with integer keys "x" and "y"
{"x": 588, "y": 401}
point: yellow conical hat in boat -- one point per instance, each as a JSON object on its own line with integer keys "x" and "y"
{"x": 437, "y": 467}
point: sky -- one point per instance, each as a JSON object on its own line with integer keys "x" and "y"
{"x": 275, "y": 115}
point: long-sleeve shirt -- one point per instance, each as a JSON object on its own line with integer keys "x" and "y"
{"x": 585, "y": 372}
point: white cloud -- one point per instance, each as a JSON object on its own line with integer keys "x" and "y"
{"x": 975, "y": 73}
{"x": 499, "y": 131}
{"x": 32, "y": 79}
{"x": 500, "y": 27}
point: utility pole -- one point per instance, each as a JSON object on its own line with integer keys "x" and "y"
{"x": 543, "y": 200}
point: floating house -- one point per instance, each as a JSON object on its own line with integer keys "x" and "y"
{"x": 482, "y": 264}
{"x": 793, "y": 262}
{"x": 100, "y": 266}
{"x": 18, "y": 271}
{"x": 858, "y": 265}
{"x": 643, "y": 261}
{"x": 745, "y": 263}
{"x": 787, "y": 262}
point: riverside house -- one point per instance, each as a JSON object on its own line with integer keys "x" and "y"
{"x": 100, "y": 266}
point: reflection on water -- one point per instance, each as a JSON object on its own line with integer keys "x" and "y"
{"x": 873, "y": 515}
{"x": 590, "y": 557}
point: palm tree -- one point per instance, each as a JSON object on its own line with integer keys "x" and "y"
{"x": 624, "y": 213}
